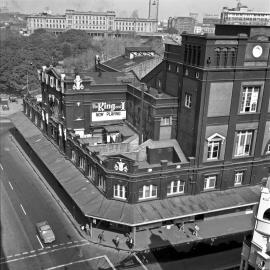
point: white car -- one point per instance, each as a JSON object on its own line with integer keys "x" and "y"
{"x": 45, "y": 232}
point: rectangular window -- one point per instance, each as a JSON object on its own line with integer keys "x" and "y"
{"x": 243, "y": 143}
{"x": 213, "y": 150}
{"x": 166, "y": 121}
{"x": 176, "y": 187}
{"x": 92, "y": 172}
{"x": 119, "y": 191}
{"x": 73, "y": 156}
{"x": 210, "y": 182}
{"x": 238, "y": 178}
{"x": 249, "y": 99}
{"x": 146, "y": 192}
{"x": 188, "y": 100}
{"x": 101, "y": 182}
{"x": 82, "y": 163}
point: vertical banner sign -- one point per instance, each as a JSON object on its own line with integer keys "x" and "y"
{"x": 104, "y": 111}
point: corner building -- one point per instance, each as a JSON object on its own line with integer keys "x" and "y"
{"x": 191, "y": 144}
{"x": 222, "y": 84}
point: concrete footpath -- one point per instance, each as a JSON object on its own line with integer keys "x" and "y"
{"x": 209, "y": 230}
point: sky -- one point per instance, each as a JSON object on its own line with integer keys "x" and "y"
{"x": 125, "y": 8}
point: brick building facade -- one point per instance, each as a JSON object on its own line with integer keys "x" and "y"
{"x": 192, "y": 143}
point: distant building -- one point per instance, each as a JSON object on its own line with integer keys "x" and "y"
{"x": 256, "y": 249}
{"x": 242, "y": 15}
{"x": 93, "y": 22}
{"x": 182, "y": 24}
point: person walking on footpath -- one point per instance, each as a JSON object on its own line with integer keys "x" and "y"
{"x": 116, "y": 242}
{"x": 182, "y": 227}
{"x": 87, "y": 228}
{"x": 82, "y": 228}
{"x": 196, "y": 230}
{"x": 101, "y": 237}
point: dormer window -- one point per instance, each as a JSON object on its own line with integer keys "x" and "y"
{"x": 214, "y": 145}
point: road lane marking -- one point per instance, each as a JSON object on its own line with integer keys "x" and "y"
{"x": 25, "y": 253}
{"x": 140, "y": 262}
{"x": 109, "y": 262}
{"x": 10, "y": 185}
{"x": 1, "y": 167}
{"x": 39, "y": 242}
{"x": 39, "y": 253}
{"x": 18, "y": 254}
{"x": 23, "y": 209}
{"x": 80, "y": 261}
{"x": 69, "y": 243}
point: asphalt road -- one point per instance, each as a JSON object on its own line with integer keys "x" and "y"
{"x": 25, "y": 200}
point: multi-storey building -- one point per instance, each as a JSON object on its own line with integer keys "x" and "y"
{"x": 242, "y": 15}
{"x": 182, "y": 24}
{"x": 256, "y": 249}
{"x": 95, "y": 23}
{"x": 192, "y": 144}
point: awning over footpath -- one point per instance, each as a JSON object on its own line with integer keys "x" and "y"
{"x": 93, "y": 204}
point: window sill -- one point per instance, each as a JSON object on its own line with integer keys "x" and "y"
{"x": 210, "y": 189}
{"x": 119, "y": 198}
{"x": 148, "y": 198}
{"x": 175, "y": 194}
{"x": 240, "y": 157}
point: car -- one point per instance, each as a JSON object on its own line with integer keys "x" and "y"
{"x": 45, "y": 232}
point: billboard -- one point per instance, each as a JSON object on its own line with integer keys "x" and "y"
{"x": 106, "y": 111}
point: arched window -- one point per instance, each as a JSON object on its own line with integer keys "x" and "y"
{"x": 266, "y": 214}
{"x": 217, "y": 51}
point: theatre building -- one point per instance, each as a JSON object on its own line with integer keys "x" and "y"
{"x": 191, "y": 143}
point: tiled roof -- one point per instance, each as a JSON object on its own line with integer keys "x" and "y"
{"x": 93, "y": 204}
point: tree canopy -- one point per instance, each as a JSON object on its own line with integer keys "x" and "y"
{"x": 20, "y": 56}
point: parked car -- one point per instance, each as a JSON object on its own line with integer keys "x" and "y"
{"x": 45, "y": 232}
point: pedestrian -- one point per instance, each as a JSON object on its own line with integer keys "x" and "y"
{"x": 101, "y": 237}
{"x": 117, "y": 241}
{"x": 131, "y": 242}
{"x": 196, "y": 230}
{"x": 182, "y": 227}
{"x": 87, "y": 228}
{"x": 82, "y": 227}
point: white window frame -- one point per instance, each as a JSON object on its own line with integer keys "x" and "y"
{"x": 208, "y": 182}
{"x": 211, "y": 145}
{"x": 101, "y": 182}
{"x": 166, "y": 121}
{"x": 91, "y": 172}
{"x": 119, "y": 191}
{"x": 73, "y": 156}
{"x": 179, "y": 185}
{"x": 249, "y": 99}
{"x": 82, "y": 162}
{"x": 242, "y": 138}
{"x": 148, "y": 191}
{"x": 238, "y": 178}
{"x": 188, "y": 100}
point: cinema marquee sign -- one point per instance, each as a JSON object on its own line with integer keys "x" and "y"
{"x": 105, "y": 111}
